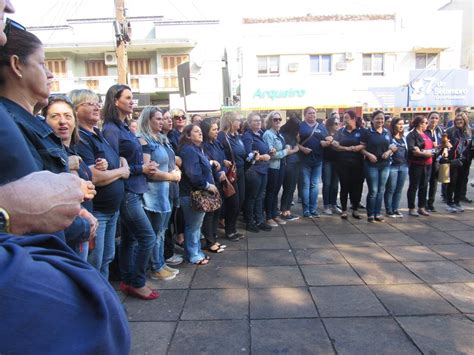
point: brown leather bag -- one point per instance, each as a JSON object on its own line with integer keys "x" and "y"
{"x": 228, "y": 188}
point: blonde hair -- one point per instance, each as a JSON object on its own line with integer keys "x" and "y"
{"x": 78, "y": 96}
{"x": 226, "y": 120}
{"x": 144, "y": 127}
{"x": 269, "y": 119}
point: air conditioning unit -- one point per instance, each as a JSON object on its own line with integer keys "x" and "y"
{"x": 110, "y": 58}
{"x": 349, "y": 56}
{"x": 293, "y": 67}
{"x": 341, "y": 66}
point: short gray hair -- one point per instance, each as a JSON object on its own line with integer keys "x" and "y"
{"x": 78, "y": 96}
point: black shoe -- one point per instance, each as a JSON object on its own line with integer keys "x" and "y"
{"x": 361, "y": 206}
{"x": 252, "y": 227}
{"x": 264, "y": 227}
{"x": 467, "y": 200}
{"x": 232, "y": 237}
{"x": 431, "y": 209}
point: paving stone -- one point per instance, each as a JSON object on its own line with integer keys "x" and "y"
{"x": 455, "y": 251}
{"x": 374, "y": 228}
{"x": 242, "y": 244}
{"x": 281, "y": 303}
{"x": 220, "y": 277}
{"x": 385, "y": 239}
{"x": 229, "y": 258}
{"x": 275, "y": 276}
{"x": 448, "y": 226}
{"x": 412, "y": 300}
{"x": 368, "y": 336}
{"x": 413, "y": 253}
{"x": 302, "y": 230}
{"x": 275, "y": 232}
{"x": 461, "y": 295}
{"x": 351, "y": 239}
{"x": 271, "y": 258}
{"x": 439, "y": 271}
{"x": 385, "y": 274}
{"x": 413, "y": 226}
{"x": 319, "y": 256}
{"x": 268, "y": 243}
{"x": 309, "y": 242}
{"x": 181, "y": 281}
{"x": 432, "y": 237}
{"x": 466, "y": 236}
{"x": 330, "y": 275}
{"x": 211, "y": 337}
{"x": 339, "y": 229}
{"x": 440, "y": 334}
{"x": 289, "y": 336}
{"x": 346, "y": 301}
{"x": 372, "y": 254}
{"x": 151, "y": 337}
{"x": 166, "y": 307}
{"x": 216, "y": 304}
{"x": 466, "y": 264}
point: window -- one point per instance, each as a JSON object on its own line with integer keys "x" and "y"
{"x": 426, "y": 61}
{"x": 320, "y": 64}
{"x": 95, "y": 68}
{"x": 170, "y": 63}
{"x": 372, "y": 64}
{"x": 268, "y": 65}
{"x": 58, "y": 68}
{"x": 138, "y": 67}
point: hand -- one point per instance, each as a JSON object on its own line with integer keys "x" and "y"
{"x": 150, "y": 168}
{"x": 123, "y": 162}
{"x": 329, "y": 139}
{"x": 73, "y": 162}
{"x": 42, "y": 202}
{"x": 222, "y": 176}
{"x": 227, "y": 164}
{"x": 88, "y": 190}
{"x": 386, "y": 154}
{"x": 296, "y": 149}
{"x": 125, "y": 172}
{"x": 178, "y": 161}
{"x": 306, "y": 150}
{"x": 212, "y": 188}
{"x": 101, "y": 164}
{"x": 264, "y": 157}
{"x": 93, "y": 222}
{"x": 372, "y": 158}
{"x": 215, "y": 164}
{"x": 272, "y": 152}
{"x": 176, "y": 175}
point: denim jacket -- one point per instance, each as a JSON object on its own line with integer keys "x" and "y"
{"x": 197, "y": 172}
{"x": 275, "y": 140}
{"x": 45, "y": 146}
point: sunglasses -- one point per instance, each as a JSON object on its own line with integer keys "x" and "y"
{"x": 277, "y": 119}
{"x": 181, "y": 118}
{"x": 9, "y": 24}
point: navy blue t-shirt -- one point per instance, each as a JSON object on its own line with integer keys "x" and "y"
{"x": 91, "y": 147}
{"x": 314, "y": 143}
{"x": 377, "y": 143}
{"x": 236, "y": 145}
{"x": 348, "y": 139}
{"x": 254, "y": 142}
{"x": 401, "y": 155}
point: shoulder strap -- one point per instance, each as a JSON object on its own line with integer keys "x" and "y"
{"x": 230, "y": 149}
{"x": 312, "y": 133}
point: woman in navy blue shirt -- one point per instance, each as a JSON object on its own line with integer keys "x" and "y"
{"x": 136, "y": 226}
{"x": 258, "y": 155}
{"x": 196, "y": 175}
{"x": 377, "y": 151}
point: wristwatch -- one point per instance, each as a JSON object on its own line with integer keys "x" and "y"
{"x": 4, "y": 221}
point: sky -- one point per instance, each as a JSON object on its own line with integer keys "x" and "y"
{"x": 55, "y": 12}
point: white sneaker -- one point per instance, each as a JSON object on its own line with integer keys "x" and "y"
{"x": 459, "y": 208}
{"x": 176, "y": 259}
{"x": 279, "y": 220}
{"x": 170, "y": 269}
{"x": 451, "y": 209}
{"x": 272, "y": 223}
{"x": 327, "y": 211}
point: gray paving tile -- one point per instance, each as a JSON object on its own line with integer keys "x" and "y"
{"x": 439, "y": 271}
{"x": 220, "y": 277}
{"x": 346, "y": 301}
{"x": 412, "y": 300}
{"x": 302, "y": 230}
{"x": 319, "y": 256}
{"x": 385, "y": 274}
{"x": 292, "y": 302}
{"x": 330, "y": 275}
{"x": 268, "y": 243}
{"x": 368, "y": 336}
{"x": 339, "y": 229}
{"x": 216, "y": 304}
{"x": 282, "y": 257}
{"x": 413, "y": 253}
{"x": 309, "y": 242}
{"x": 167, "y": 307}
{"x": 151, "y": 337}
{"x": 229, "y": 258}
{"x": 466, "y": 236}
{"x": 440, "y": 334}
{"x": 455, "y": 251}
{"x": 275, "y": 276}
{"x": 351, "y": 239}
{"x": 432, "y": 237}
{"x": 385, "y": 239}
{"x": 289, "y": 336}
{"x": 375, "y": 228}
{"x": 466, "y": 264}
{"x": 373, "y": 254}
{"x": 448, "y": 226}
{"x": 461, "y": 295}
{"x": 211, "y": 337}
{"x": 181, "y": 281}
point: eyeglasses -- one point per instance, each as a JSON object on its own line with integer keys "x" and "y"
{"x": 91, "y": 104}
{"x": 181, "y": 118}
{"x": 10, "y": 23}
{"x": 277, "y": 119}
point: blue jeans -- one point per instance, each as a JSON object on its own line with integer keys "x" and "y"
{"x": 310, "y": 186}
{"x": 192, "y": 231}
{"x": 136, "y": 227}
{"x": 159, "y": 222}
{"x": 103, "y": 253}
{"x": 82, "y": 249}
{"x": 255, "y": 184}
{"x": 376, "y": 176}
{"x": 393, "y": 190}
{"x": 330, "y": 184}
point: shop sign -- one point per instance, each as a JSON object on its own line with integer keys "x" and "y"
{"x": 278, "y": 94}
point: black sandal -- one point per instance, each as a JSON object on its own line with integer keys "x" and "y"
{"x": 203, "y": 262}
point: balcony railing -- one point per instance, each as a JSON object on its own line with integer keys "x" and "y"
{"x": 100, "y": 84}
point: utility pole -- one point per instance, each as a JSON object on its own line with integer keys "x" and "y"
{"x": 122, "y": 36}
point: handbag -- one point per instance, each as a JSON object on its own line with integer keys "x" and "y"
{"x": 232, "y": 171}
{"x": 228, "y": 188}
{"x": 443, "y": 173}
{"x": 205, "y": 201}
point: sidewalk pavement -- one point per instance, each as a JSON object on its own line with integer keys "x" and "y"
{"x": 322, "y": 286}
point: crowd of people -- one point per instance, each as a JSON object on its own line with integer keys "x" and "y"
{"x": 140, "y": 176}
